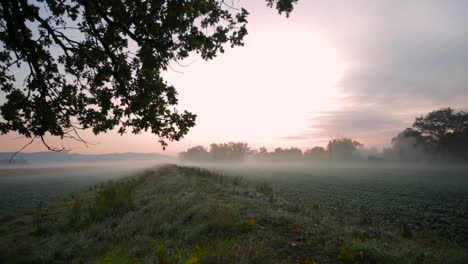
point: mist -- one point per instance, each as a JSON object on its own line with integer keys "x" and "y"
{"x": 25, "y": 186}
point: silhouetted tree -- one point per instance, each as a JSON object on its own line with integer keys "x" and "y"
{"x": 441, "y": 134}
{"x": 196, "y": 154}
{"x": 343, "y": 149}
{"x": 316, "y": 154}
{"x": 286, "y": 155}
{"x": 232, "y": 151}
{"x": 440, "y": 123}
{"x": 238, "y": 151}
{"x": 99, "y": 64}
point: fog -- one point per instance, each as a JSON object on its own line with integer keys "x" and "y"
{"x": 25, "y": 186}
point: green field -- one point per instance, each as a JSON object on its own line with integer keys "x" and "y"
{"x": 271, "y": 213}
{"x": 432, "y": 199}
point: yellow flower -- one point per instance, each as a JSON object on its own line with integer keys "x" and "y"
{"x": 344, "y": 254}
{"x": 197, "y": 248}
{"x": 251, "y": 221}
{"x": 193, "y": 260}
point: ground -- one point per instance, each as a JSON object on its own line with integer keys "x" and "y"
{"x": 175, "y": 214}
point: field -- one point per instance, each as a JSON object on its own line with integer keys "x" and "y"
{"x": 250, "y": 213}
{"x": 432, "y": 199}
{"x": 26, "y": 187}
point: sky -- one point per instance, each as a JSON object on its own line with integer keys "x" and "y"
{"x": 360, "y": 69}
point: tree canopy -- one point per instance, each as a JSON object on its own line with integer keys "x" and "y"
{"x": 441, "y": 134}
{"x": 343, "y": 149}
{"x": 70, "y": 65}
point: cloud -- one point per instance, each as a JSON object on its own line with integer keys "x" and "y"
{"x": 407, "y": 58}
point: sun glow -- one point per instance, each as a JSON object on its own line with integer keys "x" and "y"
{"x": 264, "y": 91}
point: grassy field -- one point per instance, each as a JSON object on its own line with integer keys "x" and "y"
{"x": 187, "y": 215}
{"x": 430, "y": 199}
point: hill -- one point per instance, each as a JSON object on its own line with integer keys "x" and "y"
{"x": 178, "y": 214}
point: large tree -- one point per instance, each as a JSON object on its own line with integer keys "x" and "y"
{"x": 68, "y": 65}
{"x": 441, "y": 134}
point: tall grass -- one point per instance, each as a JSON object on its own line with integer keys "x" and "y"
{"x": 112, "y": 199}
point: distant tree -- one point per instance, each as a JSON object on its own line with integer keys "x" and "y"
{"x": 196, "y": 154}
{"x": 79, "y": 64}
{"x": 238, "y": 151}
{"x": 219, "y": 152}
{"x": 316, "y": 154}
{"x": 411, "y": 145}
{"x": 232, "y": 151}
{"x": 343, "y": 149}
{"x": 286, "y": 155}
{"x": 261, "y": 154}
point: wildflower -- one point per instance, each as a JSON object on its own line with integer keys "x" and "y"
{"x": 193, "y": 260}
{"x": 197, "y": 248}
{"x": 251, "y": 222}
{"x": 344, "y": 254}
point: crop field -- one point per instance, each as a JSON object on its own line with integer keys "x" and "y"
{"x": 176, "y": 214}
{"x": 429, "y": 199}
{"x": 27, "y": 187}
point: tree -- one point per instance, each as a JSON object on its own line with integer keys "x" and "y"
{"x": 198, "y": 153}
{"x": 438, "y": 124}
{"x": 343, "y": 149}
{"x": 441, "y": 134}
{"x": 284, "y": 155}
{"x": 316, "y": 154}
{"x": 410, "y": 145}
{"x": 231, "y": 152}
{"x": 97, "y": 64}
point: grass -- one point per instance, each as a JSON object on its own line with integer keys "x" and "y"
{"x": 189, "y": 215}
{"x": 421, "y": 198}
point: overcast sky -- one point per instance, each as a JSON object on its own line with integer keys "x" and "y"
{"x": 360, "y": 69}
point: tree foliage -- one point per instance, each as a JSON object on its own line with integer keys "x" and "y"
{"x": 316, "y": 154}
{"x": 79, "y": 64}
{"x": 441, "y": 134}
{"x": 343, "y": 149}
{"x": 223, "y": 152}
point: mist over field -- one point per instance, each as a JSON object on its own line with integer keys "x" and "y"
{"x": 25, "y": 186}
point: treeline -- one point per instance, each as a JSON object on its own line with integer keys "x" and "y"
{"x": 441, "y": 135}
{"x": 341, "y": 149}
